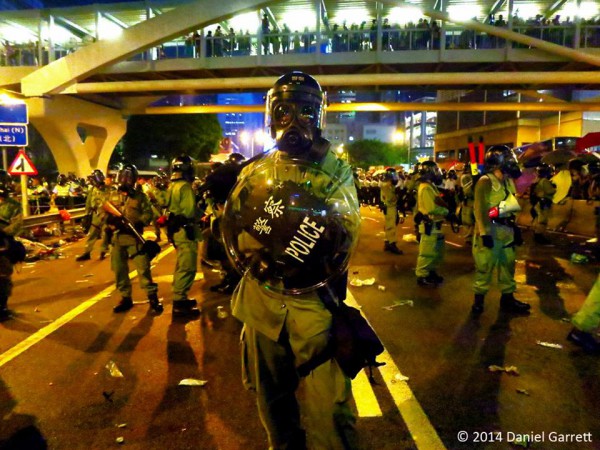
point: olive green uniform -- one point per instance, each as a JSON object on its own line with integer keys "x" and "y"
{"x": 283, "y": 332}
{"x": 138, "y": 211}
{"x": 390, "y": 201}
{"x": 181, "y": 201}
{"x": 544, "y": 191}
{"x": 431, "y": 244}
{"x": 93, "y": 205}
{"x": 489, "y": 192}
{"x": 588, "y": 317}
{"x": 466, "y": 212}
{"x": 11, "y": 223}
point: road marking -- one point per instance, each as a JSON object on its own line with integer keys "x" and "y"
{"x": 364, "y": 396}
{"x": 452, "y": 243}
{"x": 417, "y": 422}
{"x": 370, "y": 218}
{"x": 42, "y": 333}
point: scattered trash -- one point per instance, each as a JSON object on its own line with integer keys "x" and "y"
{"x": 399, "y": 378}
{"x": 409, "y": 238}
{"x": 120, "y": 440}
{"x": 398, "y": 303}
{"x": 108, "y": 396}
{"x": 88, "y": 275}
{"x": 221, "y": 312}
{"x": 548, "y": 344}
{"x": 114, "y": 370}
{"x": 355, "y": 272}
{"x": 592, "y": 240}
{"x": 51, "y": 384}
{"x": 535, "y": 266}
{"x": 82, "y": 281}
{"x": 36, "y": 309}
{"x": 121, "y": 425}
{"x": 192, "y": 382}
{"x": 380, "y": 234}
{"x": 381, "y": 287}
{"x": 511, "y": 370}
{"x": 523, "y": 391}
{"x": 578, "y": 258}
{"x": 566, "y": 319}
{"x": 359, "y": 282}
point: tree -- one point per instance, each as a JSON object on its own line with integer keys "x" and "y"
{"x": 369, "y": 152}
{"x": 167, "y": 136}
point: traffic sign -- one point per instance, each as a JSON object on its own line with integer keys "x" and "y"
{"x": 13, "y": 135}
{"x": 22, "y": 165}
{"x": 13, "y": 113}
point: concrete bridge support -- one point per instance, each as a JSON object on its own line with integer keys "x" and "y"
{"x": 81, "y": 135}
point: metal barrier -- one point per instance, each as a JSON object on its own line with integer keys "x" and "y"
{"x": 50, "y": 218}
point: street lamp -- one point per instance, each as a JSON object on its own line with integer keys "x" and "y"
{"x": 249, "y": 139}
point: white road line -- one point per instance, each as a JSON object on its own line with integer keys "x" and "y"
{"x": 42, "y": 333}
{"x": 364, "y": 396}
{"x": 452, "y": 243}
{"x": 421, "y": 429}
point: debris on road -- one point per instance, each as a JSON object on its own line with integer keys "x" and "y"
{"x": 121, "y": 425}
{"x": 192, "y": 382}
{"x": 409, "y": 238}
{"x": 34, "y": 251}
{"x": 578, "y": 258}
{"x": 108, "y": 395}
{"x": 222, "y": 313}
{"x": 365, "y": 282}
{"x": 114, "y": 370}
{"x": 399, "y": 378}
{"x": 523, "y": 392}
{"x": 381, "y": 287}
{"x": 120, "y": 440}
{"x": 398, "y": 303}
{"x": 548, "y": 344}
{"x": 511, "y": 370}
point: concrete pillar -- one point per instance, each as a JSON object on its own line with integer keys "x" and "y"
{"x": 58, "y": 118}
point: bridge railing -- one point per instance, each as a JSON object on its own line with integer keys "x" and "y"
{"x": 52, "y": 218}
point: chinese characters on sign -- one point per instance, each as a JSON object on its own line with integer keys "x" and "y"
{"x": 13, "y": 135}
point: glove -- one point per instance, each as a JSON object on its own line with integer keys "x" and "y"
{"x": 487, "y": 240}
{"x": 162, "y": 221}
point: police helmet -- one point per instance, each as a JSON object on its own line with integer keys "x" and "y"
{"x": 501, "y": 157}
{"x": 430, "y": 171}
{"x": 544, "y": 170}
{"x": 182, "y": 168}
{"x": 594, "y": 167}
{"x": 61, "y": 179}
{"x": 452, "y": 174}
{"x": 97, "y": 178}
{"x": 391, "y": 175}
{"x": 236, "y": 158}
{"x": 295, "y": 113}
{"x": 6, "y": 186}
{"x": 127, "y": 178}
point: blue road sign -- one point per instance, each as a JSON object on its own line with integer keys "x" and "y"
{"x": 13, "y": 135}
{"x": 16, "y": 113}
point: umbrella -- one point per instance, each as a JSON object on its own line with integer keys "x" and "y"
{"x": 588, "y": 157}
{"x": 587, "y": 141}
{"x": 558, "y": 157}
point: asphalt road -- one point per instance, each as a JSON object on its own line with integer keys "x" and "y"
{"x": 56, "y": 389}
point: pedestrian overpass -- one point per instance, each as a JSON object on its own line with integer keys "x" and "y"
{"x": 96, "y": 81}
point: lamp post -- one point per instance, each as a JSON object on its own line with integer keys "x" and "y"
{"x": 249, "y": 139}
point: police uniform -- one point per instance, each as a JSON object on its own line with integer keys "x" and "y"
{"x": 390, "y": 202}
{"x": 181, "y": 204}
{"x": 93, "y": 206}
{"x": 494, "y": 244}
{"x": 11, "y": 222}
{"x": 587, "y": 321}
{"x": 431, "y": 244}
{"x": 468, "y": 200}
{"x": 284, "y": 332}
{"x": 137, "y": 210}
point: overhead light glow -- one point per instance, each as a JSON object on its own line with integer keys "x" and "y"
{"x": 464, "y": 12}
{"x": 527, "y": 10}
{"x": 350, "y": 16}
{"x": 586, "y": 10}
{"x": 108, "y": 30}
{"x": 298, "y": 20}
{"x": 18, "y": 35}
{"x": 245, "y": 22}
{"x": 402, "y": 15}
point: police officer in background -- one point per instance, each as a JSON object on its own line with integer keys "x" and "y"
{"x": 496, "y": 234}
{"x": 286, "y": 330}
{"x": 97, "y": 196}
{"x": 544, "y": 191}
{"x": 137, "y": 210}
{"x": 433, "y": 210}
{"x": 389, "y": 201}
{"x": 61, "y": 192}
{"x": 11, "y": 221}
{"x": 466, "y": 196}
{"x": 182, "y": 232}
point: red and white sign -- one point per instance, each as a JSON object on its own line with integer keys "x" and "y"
{"x": 22, "y": 165}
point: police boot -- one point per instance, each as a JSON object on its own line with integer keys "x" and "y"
{"x": 509, "y": 303}
{"x": 102, "y": 256}
{"x": 434, "y": 276}
{"x": 427, "y": 281}
{"x": 392, "y": 248}
{"x": 4, "y": 311}
{"x": 155, "y": 303}
{"x": 185, "y": 308}
{"x": 124, "y": 305}
{"x": 584, "y": 340}
{"x": 83, "y": 257}
{"x": 477, "y": 307}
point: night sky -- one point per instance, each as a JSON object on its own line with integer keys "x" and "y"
{"x": 40, "y": 4}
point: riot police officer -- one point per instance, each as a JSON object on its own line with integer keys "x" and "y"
{"x": 97, "y": 196}
{"x": 389, "y": 200}
{"x": 137, "y": 210}
{"x": 433, "y": 210}
{"x": 182, "y": 232}
{"x": 292, "y": 222}
{"x": 496, "y": 234}
{"x": 467, "y": 199}
{"x": 11, "y": 221}
{"x": 544, "y": 191}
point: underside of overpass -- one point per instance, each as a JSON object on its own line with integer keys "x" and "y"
{"x": 99, "y": 78}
